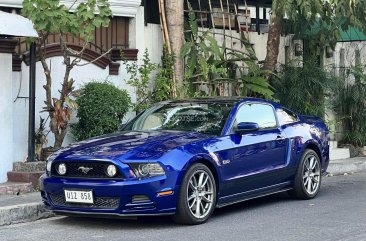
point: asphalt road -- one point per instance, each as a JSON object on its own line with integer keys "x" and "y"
{"x": 338, "y": 213}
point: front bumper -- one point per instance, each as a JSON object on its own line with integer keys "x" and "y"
{"x": 111, "y": 197}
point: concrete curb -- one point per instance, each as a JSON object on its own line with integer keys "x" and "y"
{"x": 23, "y": 213}
{"x": 340, "y": 167}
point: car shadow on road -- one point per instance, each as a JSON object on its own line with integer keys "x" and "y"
{"x": 252, "y": 204}
{"x": 163, "y": 222}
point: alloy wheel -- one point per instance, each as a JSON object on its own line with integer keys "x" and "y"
{"x": 200, "y": 194}
{"x": 311, "y": 174}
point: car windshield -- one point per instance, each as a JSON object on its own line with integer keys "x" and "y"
{"x": 206, "y": 118}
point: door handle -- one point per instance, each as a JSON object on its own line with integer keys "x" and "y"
{"x": 280, "y": 138}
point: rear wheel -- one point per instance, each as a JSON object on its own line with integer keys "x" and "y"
{"x": 197, "y": 196}
{"x": 308, "y": 176}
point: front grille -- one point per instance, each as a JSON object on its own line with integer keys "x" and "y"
{"x": 75, "y": 169}
{"x": 99, "y": 202}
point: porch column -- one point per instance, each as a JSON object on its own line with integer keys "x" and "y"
{"x": 137, "y": 33}
{"x": 7, "y": 47}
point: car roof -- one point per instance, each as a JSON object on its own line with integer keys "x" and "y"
{"x": 222, "y": 99}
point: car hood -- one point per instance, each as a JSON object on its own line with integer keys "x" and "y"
{"x": 129, "y": 145}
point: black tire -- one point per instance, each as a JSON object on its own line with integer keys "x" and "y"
{"x": 184, "y": 214}
{"x": 301, "y": 186}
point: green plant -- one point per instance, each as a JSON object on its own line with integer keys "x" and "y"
{"x": 163, "y": 81}
{"x": 355, "y": 138}
{"x": 53, "y": 17}
{"x": 215, "y": 66}
{"x": 303, "y": 88}
{"x": 349, "y": 103}
{"x": 102, "y": 107}
{"x": 40, "y": 137}
{"x": 140, "y": 76}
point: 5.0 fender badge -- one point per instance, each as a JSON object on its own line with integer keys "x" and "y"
{"x": 225, "y": 162}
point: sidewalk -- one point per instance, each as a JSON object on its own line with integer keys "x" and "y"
{"x": 351, "y": 165}
{"x": 21, "y": 208}
{"x": 28, "y": 207}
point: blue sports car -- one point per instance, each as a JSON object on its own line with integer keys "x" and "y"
{"x": 187, "y": 157}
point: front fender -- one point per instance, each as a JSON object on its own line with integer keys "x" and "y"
{"x": 211, "y": 160}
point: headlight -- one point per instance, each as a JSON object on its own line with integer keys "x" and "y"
{"x": 61, "y": 169}
{"x": 49, "y": 161}
{"x": 49, "y": 165}
{"x": 147, "y": 169}
{"x": 111, "y": 170}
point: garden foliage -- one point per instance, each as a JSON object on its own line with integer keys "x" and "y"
{"x": 212, "y": 65}
{"x": 152, "y": 82}
{"x": 349, "y": 103}
{"x": 303, "y": 88}
{"x": 102, "y": 107}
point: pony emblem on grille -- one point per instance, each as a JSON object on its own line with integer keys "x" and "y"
{"x": 85, "y": 170}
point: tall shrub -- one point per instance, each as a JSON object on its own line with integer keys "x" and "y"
{"x": 102, "y": 107}
{"x": 303, "y": 89}
{"x": 349, "y": 103}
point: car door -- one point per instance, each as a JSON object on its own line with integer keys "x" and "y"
{"x": 256, "y": 158}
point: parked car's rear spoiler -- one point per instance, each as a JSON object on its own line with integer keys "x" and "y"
{"x": 311, "y": 118}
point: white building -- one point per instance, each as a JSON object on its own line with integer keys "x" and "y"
{"x": 129, "y": 29}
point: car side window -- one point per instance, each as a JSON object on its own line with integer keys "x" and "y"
{"x": 286, "y": 116}
{"x": 261, "y": 114}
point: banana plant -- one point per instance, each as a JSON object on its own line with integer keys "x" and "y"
{"x": 61, "y": 110}
{"x": 208, "y": 63}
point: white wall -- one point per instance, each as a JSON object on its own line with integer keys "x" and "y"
{"x": 350, "y": 55}
{"x": 154, "y": 42}
{"x": 81, "y": 75}
{"x": 6, "y": 118}
{"x": 146, "y": 37}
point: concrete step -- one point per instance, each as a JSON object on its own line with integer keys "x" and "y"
{"x": 339, "y": 153}
{"x": 22, "y": 208}
{"x": 29, "y": 166}
{"x": 31, "y": 177}
{"x": 16, "y": 188}
{"x": 333, "y": 144}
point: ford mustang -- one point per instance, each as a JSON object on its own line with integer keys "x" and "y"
{"x": 187, "y": 157}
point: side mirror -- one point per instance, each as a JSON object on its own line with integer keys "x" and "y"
{"x": 245, "y": 127}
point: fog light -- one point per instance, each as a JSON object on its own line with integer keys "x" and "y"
{"x": 111, "y": 170}
{"x": 61, "y": 169}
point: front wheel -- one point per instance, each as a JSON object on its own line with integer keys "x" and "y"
{"x": 197, "y": 196}
{"x": 308, "y": 176}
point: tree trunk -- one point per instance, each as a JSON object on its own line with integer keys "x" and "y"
{"x": 59, "y": 138}
{"x": 175, "y": 21}
{"x": 273, "y": 43}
